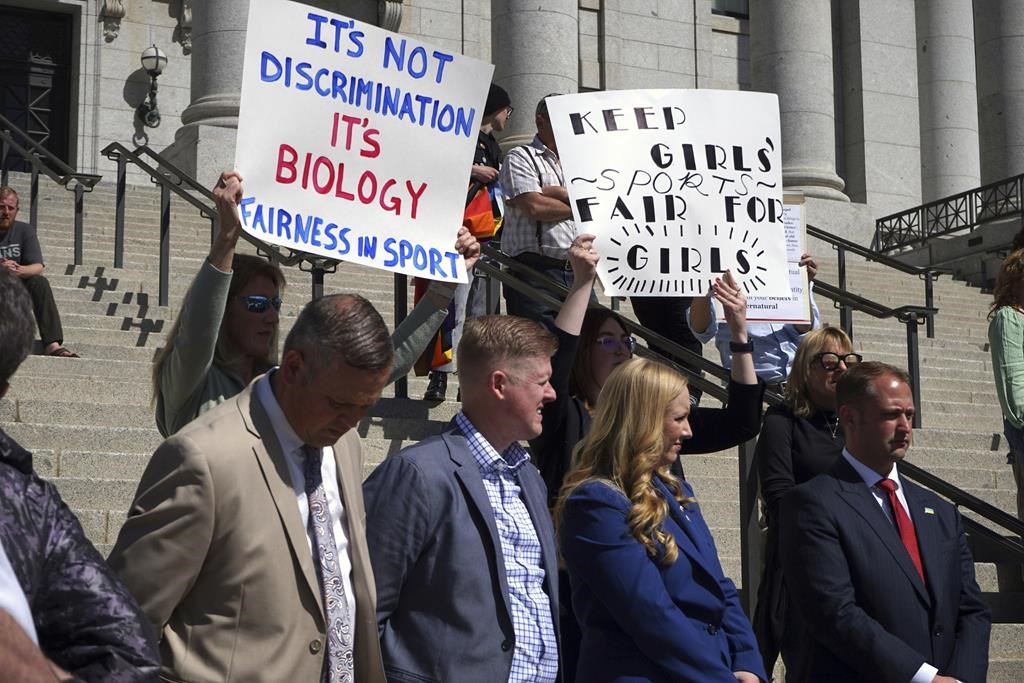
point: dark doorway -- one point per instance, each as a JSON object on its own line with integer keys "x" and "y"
{"x": 35, "y": 78}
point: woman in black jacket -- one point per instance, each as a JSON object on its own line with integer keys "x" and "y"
{"x": 800, "y": 439}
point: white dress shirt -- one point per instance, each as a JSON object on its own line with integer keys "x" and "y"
{"x": 291, "y": 446}
{"x": 12, "y": 598}
{"x": 927, "y": 672}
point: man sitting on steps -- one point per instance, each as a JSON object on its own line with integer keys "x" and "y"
{"x": 20, "y": 254}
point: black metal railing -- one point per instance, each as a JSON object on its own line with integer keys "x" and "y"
{"x": 842, "y": 246}
{"x": 964, "y": 211}
{"x": 911, "y": 316}
{"x": 984, "y": 541}
{"x": 43, "y": 162}
{"x": 172, "y": 179}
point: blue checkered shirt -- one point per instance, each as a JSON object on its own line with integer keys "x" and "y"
{"x": 535, "y": 658}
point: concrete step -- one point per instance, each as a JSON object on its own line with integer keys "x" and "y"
{"x": 42, "y": 411}
{"x": 45, "y": 388}
{"x": 34, "y": 436}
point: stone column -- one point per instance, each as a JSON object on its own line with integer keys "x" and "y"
{"x": 205, "y": 144}
{"x": 999, "y": 34}
{"x": 947, "y": 98}
{"x": 535, "y": 49}
{"x": 791, "y": 55}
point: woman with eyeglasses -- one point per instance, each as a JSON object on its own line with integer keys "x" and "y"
{"x": 226, "y": 331}
{"x": 652, "y": 600}
{"x": 591, "y": 344}
{"x": 800, "y": 439}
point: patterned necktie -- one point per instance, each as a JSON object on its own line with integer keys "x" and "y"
{"x": 904, "y": 524}
{"x": 338, "y": 662}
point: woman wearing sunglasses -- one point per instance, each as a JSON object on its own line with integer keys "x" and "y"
{"x": 226, "y": 331}
{"x": 799, "y": 440}
{"x": 591, "y": 344}
{"x": 647, "y": 584}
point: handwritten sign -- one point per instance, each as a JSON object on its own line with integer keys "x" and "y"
{"x": 356, "y": 143}
{"x": 678, "y": 185}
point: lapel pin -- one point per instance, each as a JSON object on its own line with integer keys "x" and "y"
{"x": 929, "y": 511}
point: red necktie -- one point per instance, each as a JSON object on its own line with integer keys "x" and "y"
{"x": 904, "y": 524}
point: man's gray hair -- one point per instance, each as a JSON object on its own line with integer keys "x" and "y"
{"x": 341, "y": 327}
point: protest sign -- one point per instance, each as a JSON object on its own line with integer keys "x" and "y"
{"x": 356, "y": 143}
{"x": 796, "y": 308}
{"x": 678, "y": 186}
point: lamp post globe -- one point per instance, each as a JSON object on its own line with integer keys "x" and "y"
{"x": 154, "y": 60}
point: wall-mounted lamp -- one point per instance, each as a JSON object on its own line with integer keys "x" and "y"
{"x": 153, "y": 61}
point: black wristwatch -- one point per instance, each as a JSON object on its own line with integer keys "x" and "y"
{"x": 736, "y": 347}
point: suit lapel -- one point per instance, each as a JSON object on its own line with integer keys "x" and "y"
{"x": 691, "y": 540}
{"x": 858, "y": 496}
{"x": 275, "y": 473}
{"x": 468, "y": 474}
{"x": 929, "y": 537}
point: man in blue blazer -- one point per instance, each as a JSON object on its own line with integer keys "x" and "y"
{"x": 460, "y": 538}
{"x": 879, "y": 567}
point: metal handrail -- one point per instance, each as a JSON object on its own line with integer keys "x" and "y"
{"x": 911, "y": 316}
{"x": 170, "y": 179}
{"x": 962, "y": 211}
{"x": 70, "y": 179}
{"x": 842, "y": 245}
{"x": 961, "y": 498}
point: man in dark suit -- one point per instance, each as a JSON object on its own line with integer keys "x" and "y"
{"x": 879, "y": 567}
{"x": 461, "y": 543}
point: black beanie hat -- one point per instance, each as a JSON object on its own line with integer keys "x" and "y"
{"x": 497, "y": 99}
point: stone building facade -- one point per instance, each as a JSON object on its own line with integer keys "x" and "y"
{"x": 885, "y": 103}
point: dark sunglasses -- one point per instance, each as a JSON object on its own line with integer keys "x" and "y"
{"x": 830, "y": 361}
{"x": 257, "y": 303}
{"x": 510, "y": 109}
{"x": 613, "y": 344}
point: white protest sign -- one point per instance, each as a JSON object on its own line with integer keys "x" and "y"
{"x": 356, "y": 143}
{"x": 796, "y": 308}
{"x": 678, "y": 186}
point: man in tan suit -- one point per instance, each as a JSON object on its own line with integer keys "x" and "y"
{"x": 246, "y": 518}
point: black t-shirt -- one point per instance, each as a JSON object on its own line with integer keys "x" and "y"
{"x": 21, "y": 244}
{"x": 488, "y": 151}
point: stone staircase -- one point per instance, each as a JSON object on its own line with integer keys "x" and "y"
{"x": 90, "y": 422}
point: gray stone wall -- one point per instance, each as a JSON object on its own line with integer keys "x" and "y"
{"x": 657, "y": 43}
{"x": 730, "y": 42}
{"x": 880, "y": 104}
{"x": 111, "y": 81}
{"x": 460, "y": 25}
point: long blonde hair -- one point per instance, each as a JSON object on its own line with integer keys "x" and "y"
{"x": 244, "y": 269}
{"x": 798, "y": 396}
{"x": 625, "y": 446}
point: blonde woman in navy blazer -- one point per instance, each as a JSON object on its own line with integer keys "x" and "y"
{"x": 647, "y": 586}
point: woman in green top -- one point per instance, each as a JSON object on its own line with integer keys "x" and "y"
{"x": 226, "y": 331}
{"x": 1006, "y": 339}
